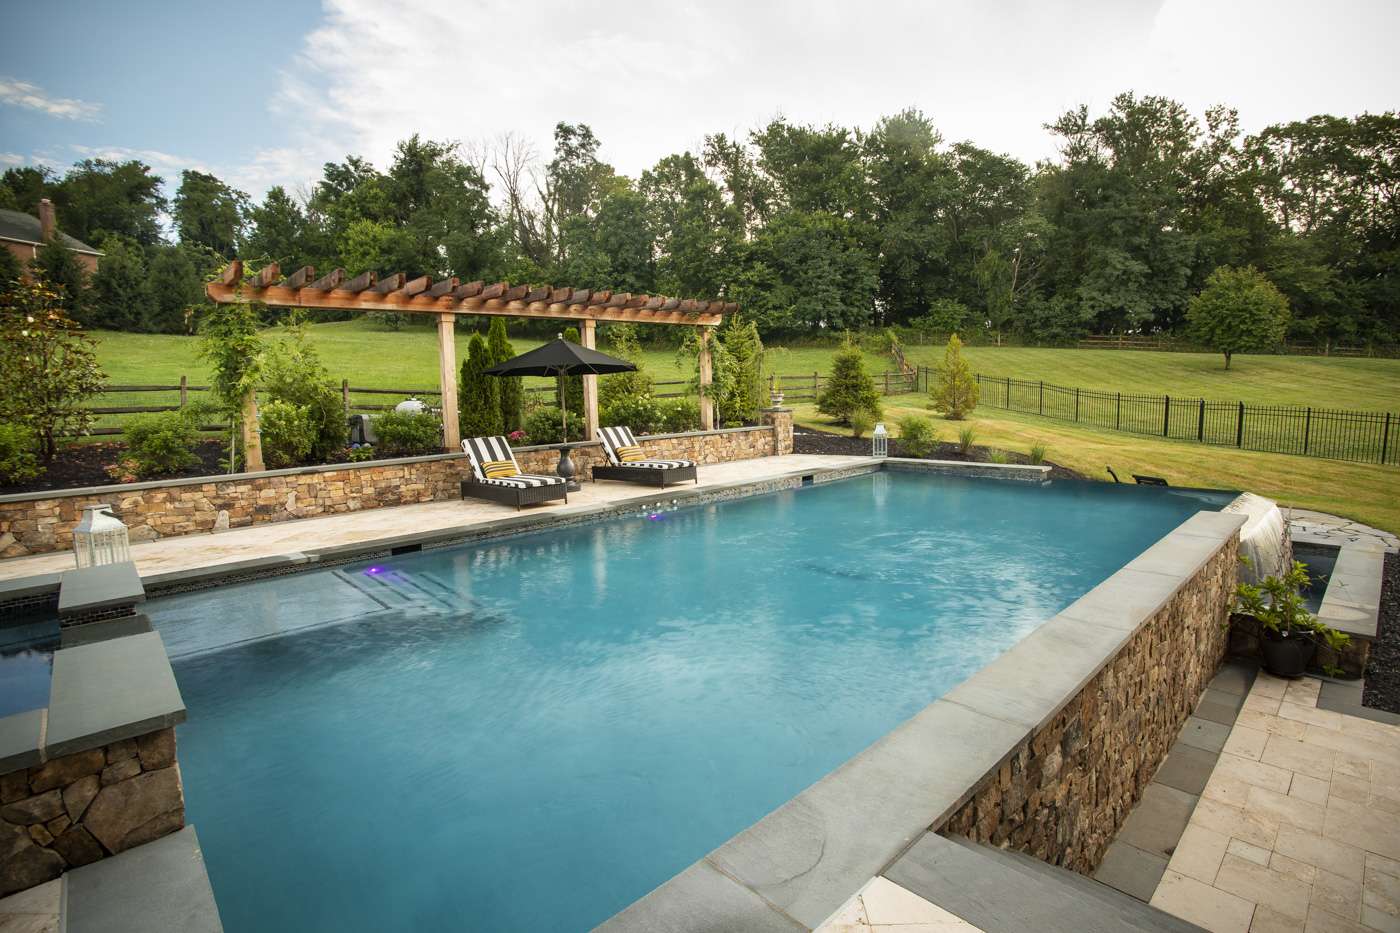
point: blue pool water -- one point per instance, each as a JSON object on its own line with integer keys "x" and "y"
{"x": 530, "y": 734}
{"x": 26, "y": 665}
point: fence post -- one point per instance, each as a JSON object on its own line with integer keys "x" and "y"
{"x": 887, "y": 382}
{"x": 1307, "y": 429}
{"x": 1076, "y": 404}
{"x": 345, "y": 396}
{"x": 184, "y": 391}
{"x": 1166, "y": 415}
{"x": 1042, "y": 396}
{"x": 1239, "y": 428}
{"x": 816, "y": 384}
{"x": 1201, "y": 422}
{"x": 1385, "y": 438}
{"x": 1118, "y": 413}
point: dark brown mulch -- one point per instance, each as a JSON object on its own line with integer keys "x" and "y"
{"x": 807, "y": 441}
{"x": 1383, "y": 670}
{"x": 85, "y": 465}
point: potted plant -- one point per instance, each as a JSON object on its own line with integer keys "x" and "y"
{"x": 1289, "y": 634}
{"x": 775, "y": 391}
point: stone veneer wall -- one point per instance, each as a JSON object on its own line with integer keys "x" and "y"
{"x": 1064, "y": 793}
{"x": 39, "y": 523}
{"x": 83, "y": 807}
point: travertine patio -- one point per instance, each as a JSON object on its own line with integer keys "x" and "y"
{"x": 1298, "y": 827}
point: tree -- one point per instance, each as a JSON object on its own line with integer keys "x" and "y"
{"x": 64, "y": 274}
{"x": 1239, "y": 311}
{"x": 512, "y": 389}
{"x": 233, "y": 349}
{"x": 48, "y": 367}
{"x": 955, "y": 393}
{"x": 99, "y": 197}
{"x": 479, "y": 394}
{"x": 176, "y": 290}
{"x": 850, "y": 387}
{"x": 277, "y": 231}
{"x": 121, "y": 292}
{"x": 10, "y": 268}
{"x": 209, "y": 213}
{"x": 572, "y": 386}
{"x": 745, "y": 349}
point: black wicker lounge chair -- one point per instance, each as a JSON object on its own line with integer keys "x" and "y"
{"x": 496, "y": 476}
{"x": 628, "y": 464}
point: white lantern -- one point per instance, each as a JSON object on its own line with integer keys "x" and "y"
{"x": 880, "y": 441}
{"x": 100, "y": 538}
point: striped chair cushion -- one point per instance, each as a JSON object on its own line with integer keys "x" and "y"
{"x": 483, "y": 450}
{"x": 630, "y": 454}
{"x": 614, "y": 439}
{"x": 497, "y": 469}
{"x": 661, "y": 464}
{"x": 525, "y": 480}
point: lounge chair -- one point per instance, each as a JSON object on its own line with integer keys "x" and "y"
{"x": 496, "y": 476}
{"x": 627, "y": 462}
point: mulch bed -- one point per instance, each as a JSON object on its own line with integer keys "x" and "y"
{"x": 1383, "y": 672}
{"x": 807, "y": 441}
{"x": 85, "y": 465}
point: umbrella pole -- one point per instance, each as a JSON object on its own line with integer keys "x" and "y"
{"x": 566, "y": 463}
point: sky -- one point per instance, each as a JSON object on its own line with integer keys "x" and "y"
{"x": 263, "y": 92}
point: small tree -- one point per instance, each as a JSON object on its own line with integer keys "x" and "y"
{"x": 850, "y": 387}
{"x": 48, "y": 367}
{"x": 511, "y": 388}
{"x": 745, "y": 396}
{"x": 292, "y": 373}
{"x": 1239, "y": 311}
{"x": 64, "y": 274}
{"x": 955, "y": 394}
{"x": 232, "y": 348}
{"x": 573, "y": 385}
{"x": 479, "y": 395}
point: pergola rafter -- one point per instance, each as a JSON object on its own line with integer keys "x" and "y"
{"x": 397, "y": 294}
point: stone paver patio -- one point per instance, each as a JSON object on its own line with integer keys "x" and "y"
{"x": 1298, "y": 828}
{"x": 292, "y": 537}
{"x": 884, "y": 907}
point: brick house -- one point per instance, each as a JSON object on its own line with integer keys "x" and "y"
{"x": 24, "y": 235}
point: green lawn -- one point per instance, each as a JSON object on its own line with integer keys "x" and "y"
{"x": 368, "y": 355}
{"x": 1364, "y": 492}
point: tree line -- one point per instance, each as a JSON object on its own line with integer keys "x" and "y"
{"x": 812, "y": 229}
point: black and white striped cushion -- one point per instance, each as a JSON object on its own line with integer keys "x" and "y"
{"x": 660, "y": 464}
{"x": 481, "y": 450}
{"x": 613, "y": 438}
{"x": 525, "y": 480}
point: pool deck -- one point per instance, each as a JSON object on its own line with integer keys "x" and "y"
{"x": 314, "y": 535}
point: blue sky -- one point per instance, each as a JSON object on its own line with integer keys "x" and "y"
{"x": 264, "y": 92}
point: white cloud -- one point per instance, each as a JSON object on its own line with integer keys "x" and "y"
{"x": 12, "y": 159}
{"x": 654, "y": 78}
{"x": 26, "y": 94}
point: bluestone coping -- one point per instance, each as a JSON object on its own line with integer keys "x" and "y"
{"x": 111, "y": 690}
{"x": 39, "y": 584}
{"x": 807, "y": 857}
{"x": 158, "y": 887}
{"x": 89, "y": 633}
{"x": 21, "y": 735}
{"x": 90, "y": 589}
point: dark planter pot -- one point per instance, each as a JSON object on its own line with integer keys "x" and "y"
{"x": 1287, "y": 655}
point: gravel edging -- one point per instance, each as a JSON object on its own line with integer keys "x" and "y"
{"x": 1383, "y": 672}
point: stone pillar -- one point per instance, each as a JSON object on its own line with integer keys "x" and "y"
{"x": 707, "y": 404}
{"x": 589, "y": 335}
{"x": 781, "y": 421}
{"x": 447, "y": 381}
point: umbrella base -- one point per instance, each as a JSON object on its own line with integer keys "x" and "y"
{"x": 566, "y": 469}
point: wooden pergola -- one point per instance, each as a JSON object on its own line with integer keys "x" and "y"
{"x": 448, "y": 298}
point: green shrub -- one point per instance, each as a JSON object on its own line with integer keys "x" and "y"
{"x": 162, "y": 444}
{"x": 1037, "y": 454}
{"x": 965, "y": 438}
{"x": 640, "y": 413}
{"x": 291, "y": 372}
{"x": 678, "y": 415}
{"x": 861, "y": 420}
{"x": 403, "y": 434}
{"x": 18, "y": 460}
{"x": 850, "y": 387}
{"x": 288, "y": 434}
{"x": 917, "y": 436}
{"x": 998, "y": 456}
{"x": 546, "y": 426}
{"x": 956, "y": 391}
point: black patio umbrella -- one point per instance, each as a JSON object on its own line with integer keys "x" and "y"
{"x": 561, "y": 358}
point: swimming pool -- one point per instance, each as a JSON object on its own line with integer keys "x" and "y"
{"x": 532, "y": 733}
{"x": 26, "y": 664}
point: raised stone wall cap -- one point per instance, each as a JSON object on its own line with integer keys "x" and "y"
{"x": 92, "y": 588}
{"x": 1211, "y": 524}
{"x": 20, "y": 736}
{"x": 40, "y": 584}
{"x": 1187, "y": 547}
{"x": 112, "y": 690}
{"x": 158, "y": 887}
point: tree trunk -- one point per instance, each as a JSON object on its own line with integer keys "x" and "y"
{"x": 1227, "y": 359}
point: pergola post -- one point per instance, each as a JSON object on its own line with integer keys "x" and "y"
{"x": 707, "y": 405}
{"x": 252, "y": 436}
{"x": 589, "y": 332}
{"x": 447, "y": 380}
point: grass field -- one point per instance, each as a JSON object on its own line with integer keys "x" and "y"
{"x": 1364, "y": 492}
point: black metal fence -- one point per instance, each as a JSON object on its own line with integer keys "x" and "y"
{"x": 1360, "y": 436}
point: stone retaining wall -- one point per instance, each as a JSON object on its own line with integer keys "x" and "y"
{"x": 41, "y": 522}
{"x": 1064, "y": 793}
{"x": 83, "y": 807}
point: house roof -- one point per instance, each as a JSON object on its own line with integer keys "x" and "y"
{"x": 24, "y": 228}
